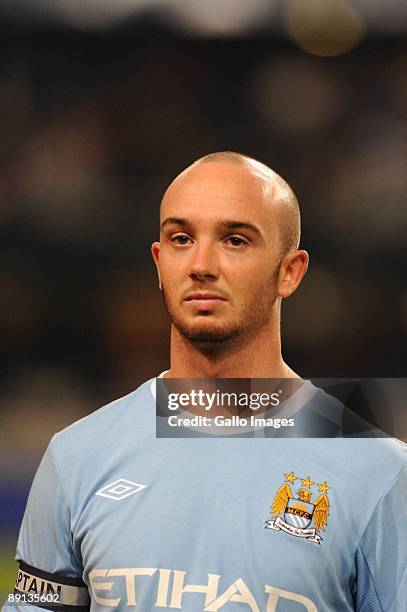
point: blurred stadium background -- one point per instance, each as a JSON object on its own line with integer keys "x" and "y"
{"x": 102, "y": 103}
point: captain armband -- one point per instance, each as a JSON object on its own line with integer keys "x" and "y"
{"x": 49, "y": 591}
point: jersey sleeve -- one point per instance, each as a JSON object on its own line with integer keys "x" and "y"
{"x": 381, "y": 558}
{"x": 50, "y": 573}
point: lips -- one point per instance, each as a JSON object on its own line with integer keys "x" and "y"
{"x": 204, "y": 296}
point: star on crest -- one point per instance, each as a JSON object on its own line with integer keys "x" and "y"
{"x": 324, "y": 487}
{"x": 291, "y": 477}
{"x": 307, "y": 482}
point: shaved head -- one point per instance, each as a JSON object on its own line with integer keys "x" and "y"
{"x": 279, "y": 192}
{"x": 228, "y": 254}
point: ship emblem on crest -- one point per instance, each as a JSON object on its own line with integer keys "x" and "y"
{"x": 298, "y": 515}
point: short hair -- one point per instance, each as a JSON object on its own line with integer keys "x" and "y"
{"x": 290, "y": 218}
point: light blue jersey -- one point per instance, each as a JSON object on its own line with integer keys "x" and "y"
{"x": 119, "y": 519}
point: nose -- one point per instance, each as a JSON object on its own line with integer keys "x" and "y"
{"x": 204, "y": 265}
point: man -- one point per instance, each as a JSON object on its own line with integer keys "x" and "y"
{"x": 223, "y": 288}
{"x": 118, "y": 518}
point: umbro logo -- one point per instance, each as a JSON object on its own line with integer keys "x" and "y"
{"x": 119, "y": 489}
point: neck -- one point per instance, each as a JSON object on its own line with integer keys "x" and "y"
{"x": 258, "y": 356}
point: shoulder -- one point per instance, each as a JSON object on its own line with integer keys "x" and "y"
{"x": 107, "y": 425}
{"x": 386, "y": 454}
{"x": 336, "y": 419}
{"x": 365, "y": 467}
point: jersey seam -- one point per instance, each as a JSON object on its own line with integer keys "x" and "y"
{"x": 359, "y": 547}
{"x": 370, "y": 574}
{"x": 58, "y": 472}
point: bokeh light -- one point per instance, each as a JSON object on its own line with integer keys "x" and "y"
{"x": 297, "y": 95}
{"x": 214, "y": 18}
{"x": 324, "y": 27}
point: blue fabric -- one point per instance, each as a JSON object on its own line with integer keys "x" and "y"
{"x": 366, "y": 597}
{"x": 185, "y": 524}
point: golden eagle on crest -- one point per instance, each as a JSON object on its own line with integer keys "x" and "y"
{"x": 280, "y": 500}
{"x": 321, "y": 511}
{"x": 321, "y": 506}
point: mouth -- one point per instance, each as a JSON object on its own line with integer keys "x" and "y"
{"x": 204, "y": 300}
{"x": 205, "y": 297}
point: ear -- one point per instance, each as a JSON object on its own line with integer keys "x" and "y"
{"x": 155, "y": 251}
{"x": 292, "y": 270}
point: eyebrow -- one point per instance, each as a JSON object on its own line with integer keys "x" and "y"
{"x": 227, "y": 224}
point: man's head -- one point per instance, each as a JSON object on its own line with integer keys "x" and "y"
{"x": 228, "y": 250}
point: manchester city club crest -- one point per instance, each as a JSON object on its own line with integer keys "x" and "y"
{"x": 298, "y": 515}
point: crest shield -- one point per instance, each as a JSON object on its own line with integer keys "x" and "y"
{"x": 298, "y": 513}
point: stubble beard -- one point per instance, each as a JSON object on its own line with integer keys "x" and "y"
{"x": 218, "y": 341}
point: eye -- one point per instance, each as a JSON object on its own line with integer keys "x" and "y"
{"x": 180, "y": 239}
{"x": 237, "y": 241}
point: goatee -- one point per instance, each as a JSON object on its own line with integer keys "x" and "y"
{"x": 208, "y": 341}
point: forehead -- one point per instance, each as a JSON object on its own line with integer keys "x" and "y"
{"x": 212, "y": 191}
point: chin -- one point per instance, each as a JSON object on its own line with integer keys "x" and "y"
{"x": 209, "y": 333}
